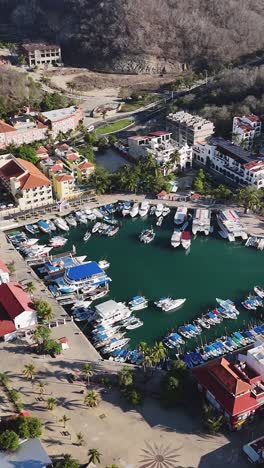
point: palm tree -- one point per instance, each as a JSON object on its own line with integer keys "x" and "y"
{"x": 44, "y": 310}
{"x": 64, "y": 420}
{"x": 91, "y": 399}
{"x": 4, "y": 379}
{"x": 94, "y": 456}
{"x": 249, "y": 198}
{"x": 174, "y": 160}
{"x": 41, "y": 387}
{"x": 51, "y": 403}
{"x": 29, "y": 371}
{"x": 30, "y": 288}
{"x": 87, "y": 371}
{"x": 80, "y": 438}
{"x": 42, "y": 333}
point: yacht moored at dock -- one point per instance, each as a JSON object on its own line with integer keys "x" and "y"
{"x": 201, "y": 221}
{"x": 186, "y": 239}
{"x": 138, "y": 303}
{"x": 44, "y": 226}
{"x": 144, "y": 209}
{"x": 61, "y": 224}
{"x": 159, "y": 210}
{"x": 176, "y": 238}
{"x": 230, "y": 225}
{"x": 180, "y": 215}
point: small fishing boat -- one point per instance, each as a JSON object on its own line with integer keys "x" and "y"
{"x": 186, "y": 239}
{"x": 61, "y": 224}
{"x": 166, "y": 210}
{"x": 134, "y": 210}
{"x": 71, "y": 220}
{"x": 147, "y": 236}
{"x": 87, "y": 236}
{"x": 51, "y": 225}
{"x": 159, "y": 210}
{"x": 44, "y": 226}
{"x": 144, "y": 209}
{"x": 112, "y": 231}
{"x": 57, "y": 241}
{"x": 176, "y": 238}
{"x": 259, "y": 291}
{"x": 96, "y": 227}
{"x": 172, "y": 304}
{"x": 136, "y": 323}
{"x": 159, "y": 221}
{"x": 126, "y": 208}
{"x": 104, "y": 264}
{"x": 31, "y": 228}
{"x": 138, "y": 303}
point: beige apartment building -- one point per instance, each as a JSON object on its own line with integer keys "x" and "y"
{"x": 189, "y": 129}
{"x": 41, "y": 53}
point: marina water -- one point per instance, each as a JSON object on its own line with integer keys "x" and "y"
{"x": 212, "y": 268}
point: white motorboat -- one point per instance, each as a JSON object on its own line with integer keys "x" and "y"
{"x": 61, "y": 224}
{"x": 81, "y": 217}
{"x": 134, "y": 210}
{"x": 159, "y": 221}
{"x": 259, "y": 291}
{"x": 172, "y": 305}
{"x": 138, "y": 303}
{"x": 81, "y": 304}
{"x": 104, "y": 264}
{"x": 201, "y": 221}
{"x": 159, "y": 210}
{"x": 176, "y": 238}
{"x": 227, "y": 304}
{"x": 166, "y": 211}
{"x": 147, "y": 236}
{"x": 96, "y": 227}
{"x": 115, "y": 344}
{"x": 144, "y": 209}
{"x": 57, "y": 241}
{"x": 71, "y": 220}
{"x": 87, "y": 236}
{"x": 163, "y": 300}
{"x": 51, "y": 225}
{"x": 230, "y": 225}
{"x": 180, "y": 215}
{"x": 136, "y": 323}
{"x": 98, "y": 294}
{"x": 186, "y": 239}
{"x": 29, "y": 242}
{"x": 41, "y": 252}
{"x": 98, "y": 213}
{"x": 126, "y": 208}
{"x": 152, "y": 210}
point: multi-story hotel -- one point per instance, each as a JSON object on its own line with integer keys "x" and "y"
{"x": 231, "y": 161}
{"x": 25, "y": 182}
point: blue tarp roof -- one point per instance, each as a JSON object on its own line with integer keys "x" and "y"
{"x": 83, "y": 271}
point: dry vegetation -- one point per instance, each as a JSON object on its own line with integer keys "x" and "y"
{"x": 142, "y": 35}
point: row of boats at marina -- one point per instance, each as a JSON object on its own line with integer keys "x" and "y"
{"x": 134, "y": 209}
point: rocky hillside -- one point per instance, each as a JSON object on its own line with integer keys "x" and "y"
{"x": 140, "y": 35}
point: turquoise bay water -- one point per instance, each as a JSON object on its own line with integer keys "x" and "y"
{"x": 213, "y": 268}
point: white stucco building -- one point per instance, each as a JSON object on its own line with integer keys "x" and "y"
{"x": 245, "y": 130}
{"x": 161, "y": 146}
{"x": 255, "y": 358}
{"x": 231, "y": 161}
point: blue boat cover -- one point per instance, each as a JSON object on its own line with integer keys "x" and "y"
{"x": 43, "y": 224}
{"x": 83, "y": 271}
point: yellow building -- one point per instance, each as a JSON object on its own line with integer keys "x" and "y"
{"x": 84, "y": 171}
{"x": 64, "y": 187}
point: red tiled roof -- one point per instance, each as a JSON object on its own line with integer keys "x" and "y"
{"x": 62, "y": 146}
{"x": 14, "y": 299}
{"x": 64, "y": 177}
{"x": 11, "y": 169}
{"x": 3, "y": 267}
{"x": 41, "y": 150}
{"x": 85, "y": 165}
{"x": 162, "y": 194}
{"x": 56, "y": 167}
{"x": 253, "y": 118}
{"x": 6, "y": 326}
{"x": 5, "y": 127}
{"x": 34, "y": 177}
{"x": 231, "y": 392}
{"x": 139, "y": 137}
{"x": 72, "y": 156}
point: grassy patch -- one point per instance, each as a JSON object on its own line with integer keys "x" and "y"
{"x": 113, "y": 126}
